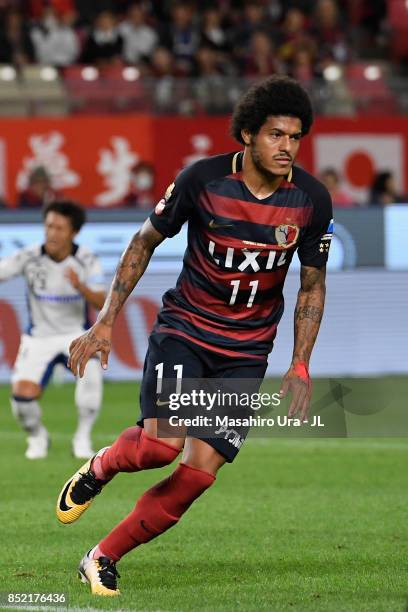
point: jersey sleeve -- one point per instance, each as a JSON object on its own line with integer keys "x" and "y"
{"x": 94, "y": 273}
{"x": 314, "y": 246}
{"x": 177, "y": 204}
{"x": 13, "y": 265}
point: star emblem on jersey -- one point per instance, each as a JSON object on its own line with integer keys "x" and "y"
{"x": 286, "y": 235}
{"x": 214, "y": 225}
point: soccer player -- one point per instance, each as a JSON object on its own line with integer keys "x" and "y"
{"x": 248, "y": 212}
{"x": 62, "y": 280}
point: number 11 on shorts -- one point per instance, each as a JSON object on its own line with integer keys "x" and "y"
{"x": 178, "y": 369}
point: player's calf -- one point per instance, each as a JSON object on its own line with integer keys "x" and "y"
{"x": 88, "y": 399}
{"x": 28, "y": 413}
{"x": 157, "y": 510}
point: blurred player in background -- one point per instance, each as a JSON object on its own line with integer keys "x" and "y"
{"x": 248, "y": 213}
{"x": 63, "y": 279}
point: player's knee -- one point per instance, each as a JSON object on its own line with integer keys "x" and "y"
{"x": 154, "y": 453}
{"x": 27, "y": 411}
{"x": 26, "y": 389}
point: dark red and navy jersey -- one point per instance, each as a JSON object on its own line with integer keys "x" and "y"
{"x": 228, "y": 297}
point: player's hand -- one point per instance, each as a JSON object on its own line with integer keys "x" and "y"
{"x": 298, "y": 383}
{"x": 96, "y": 340}
{"x": 73, "y": 277}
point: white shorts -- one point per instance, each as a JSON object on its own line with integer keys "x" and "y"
{"x": 37, "y": 357}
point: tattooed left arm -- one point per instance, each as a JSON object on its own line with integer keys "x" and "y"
{"x": 308, "y": 315}
{"x": 308, "y": 311}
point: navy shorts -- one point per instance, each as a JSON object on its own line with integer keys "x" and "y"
{"x": 167, "y": 351}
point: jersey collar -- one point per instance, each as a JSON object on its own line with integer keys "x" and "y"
{"x": 237, "y": 162}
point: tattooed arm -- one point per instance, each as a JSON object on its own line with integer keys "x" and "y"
{"x": 308, "y": 311}
{"x": 308, "y": 315}
{"x": 131, "y": 267}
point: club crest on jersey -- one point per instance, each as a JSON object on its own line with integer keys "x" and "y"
{"x": 286, "y": 235}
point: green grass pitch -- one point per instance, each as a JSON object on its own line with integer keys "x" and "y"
{"x": 303, "y": 525}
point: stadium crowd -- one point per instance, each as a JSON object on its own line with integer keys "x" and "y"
{"x": 193, "y": 57}
{"x": 185, "y": 38}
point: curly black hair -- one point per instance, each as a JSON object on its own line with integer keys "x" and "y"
{"x": 277, "y": 95}
{"x": 74, "y": 212}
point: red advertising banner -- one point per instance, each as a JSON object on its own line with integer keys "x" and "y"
{"x": 90, "y": 159}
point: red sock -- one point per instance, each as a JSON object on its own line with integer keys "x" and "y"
{"x": 157, "y": 510}
{"x": 133, "y": 451}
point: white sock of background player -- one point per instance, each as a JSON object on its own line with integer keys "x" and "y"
{"x": 28, "y": 412}
{"x": 88, "y": 398}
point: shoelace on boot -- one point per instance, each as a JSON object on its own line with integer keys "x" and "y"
{"x": 86, "y": 487}
{"x": 108, "y": 573}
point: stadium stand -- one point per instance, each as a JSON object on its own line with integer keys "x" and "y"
{"x": 206, "y": 42}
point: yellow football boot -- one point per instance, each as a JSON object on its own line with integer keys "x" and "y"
{"x": 78, "y": 492}
{"x": 101, "y": 574}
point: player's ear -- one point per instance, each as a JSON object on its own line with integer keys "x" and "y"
{"x": 246, "y": 137}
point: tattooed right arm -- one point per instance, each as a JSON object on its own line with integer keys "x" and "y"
{"x": 132, "y": 265}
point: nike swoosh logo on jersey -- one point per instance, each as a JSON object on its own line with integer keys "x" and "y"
{"x": 213, "y": 225}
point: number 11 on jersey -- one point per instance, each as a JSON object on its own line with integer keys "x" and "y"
{"x": 235, "y": 284}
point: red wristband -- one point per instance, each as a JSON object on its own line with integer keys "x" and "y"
{"x": 301, "y": 370}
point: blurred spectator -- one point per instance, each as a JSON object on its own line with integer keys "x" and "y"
{"x": 16, "y": 46}
{"x": 210, "y": 88}
{"x": 301, "y": 66}
{"x": 207, "y": 63}
{"x": 55, "y": 40}
{"x": 141, "y": 187}
{"x": 212, "y": 32}
{"x": 384, "y": 191}
{"x": 39, "y": 191}
{"x": 139, "y": 39}
{"x": 261, "y": 60}
{"x": 162, "y": 63}
{"x": 105, "y": 44}
{"x": 340, "y": 198}
{"x": 254, "y": 18}
{"x": 88, "y": 10}
{"x": 329, "y": 31}
{"x": 294, "y": 35}
{"x": 162, "y": 68}
{"x": 181, "y": 36}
